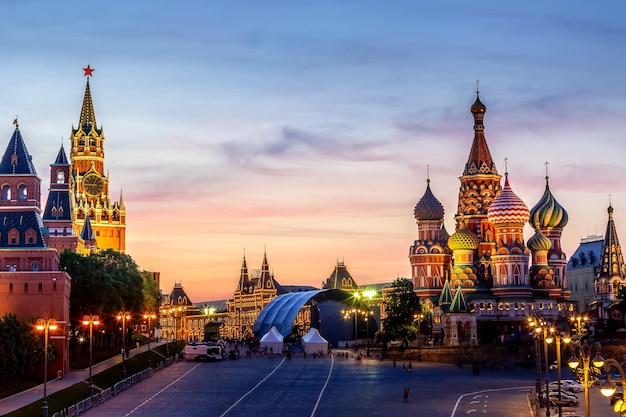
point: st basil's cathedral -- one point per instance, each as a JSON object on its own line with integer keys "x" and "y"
{"x": 483, "y": 281}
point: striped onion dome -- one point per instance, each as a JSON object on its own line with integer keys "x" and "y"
{"x": 508, "y": 207}
{"x": 539, "y": 242}
{"x": 548, "y": 213}
{"x": 428, "y": 208}
{"x": 463, "y": 238}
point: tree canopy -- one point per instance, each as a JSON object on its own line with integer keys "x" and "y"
{"x": 401, "y": 305}
{"x": 21, "y": 348}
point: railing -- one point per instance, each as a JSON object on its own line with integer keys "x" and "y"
{"x": 97, "y": 399}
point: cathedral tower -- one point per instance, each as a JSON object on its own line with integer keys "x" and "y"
{"x": 480, "y": 185}
{"x": 90, "y": 184}
{"x": 429, "y": 255}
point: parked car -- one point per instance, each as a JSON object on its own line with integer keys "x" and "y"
{"x": 564, "y": 394}
{"x": 572, "y": 385}
{"x": 566, "y": 386}
{"x": 563, "y": 401}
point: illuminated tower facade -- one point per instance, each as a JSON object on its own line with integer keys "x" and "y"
{"x": 90, "y": 182}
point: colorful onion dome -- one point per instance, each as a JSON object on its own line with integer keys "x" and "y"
{"x": 548, "y": 213}
{"x": 428, "y": 208}
{"x": 463, "y": 238}
{"x": 478, "y": 106}
{"x": 508, "y": 207}
{"x": 539, "y": 242}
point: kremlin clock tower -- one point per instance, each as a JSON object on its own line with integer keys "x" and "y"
{"x": 90, "y": 185}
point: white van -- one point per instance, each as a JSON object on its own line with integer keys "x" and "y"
{"x": 203, "y": 352}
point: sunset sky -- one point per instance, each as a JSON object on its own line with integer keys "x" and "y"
{"x": 305, "y": 128}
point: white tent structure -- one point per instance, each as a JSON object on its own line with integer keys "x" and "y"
{"x": 313, "y": 342}
{"x": 272, "y": 340}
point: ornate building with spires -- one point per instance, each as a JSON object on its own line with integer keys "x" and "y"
{"x": 484, "y": 280}
{"x": 610, "y": 276}
{"x": 90, "y": 182}
{"x": 254, "y": 291}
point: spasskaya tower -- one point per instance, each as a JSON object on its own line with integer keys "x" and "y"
{"x": 90, "y": 183}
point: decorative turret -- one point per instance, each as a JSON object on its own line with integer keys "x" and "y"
{"x": 463, "y": 244}
{"x": 550, "y": 218}
{"x": 340, "y": 279}
{"x": 480, "y": 185}
{"x": 243, "y": 286}
{"x": 612, "y": 270}
{"x": 509, "y": 258}
{"x": 429, "y": 256}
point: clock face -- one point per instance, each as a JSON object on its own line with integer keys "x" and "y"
{"x": 92, "y": 184}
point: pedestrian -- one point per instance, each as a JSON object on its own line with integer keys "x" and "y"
{"x": 404, "y": 367}
{"x": 410, "y": 367}
{"x": 407, "y": 395}
{"x": 394, "y": 363}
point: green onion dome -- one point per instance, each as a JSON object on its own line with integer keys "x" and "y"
{"x": 548, "y": 213}
{"x": 428, "y": 208}
{"x": 539, "y": 242}
{"x": 463, "y": 239}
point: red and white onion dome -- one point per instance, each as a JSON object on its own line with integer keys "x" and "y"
{"x": 508, "y": 208}
{"x": 463, "y": 239}
{"x": 548, "y": 213}
{"x": 428, "y": 208}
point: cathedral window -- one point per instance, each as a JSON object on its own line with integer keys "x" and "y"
{"x": 6, "y": 192}
{"x": 34, "y": 266}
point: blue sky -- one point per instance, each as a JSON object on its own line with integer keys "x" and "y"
{"x": 306, "y": 129}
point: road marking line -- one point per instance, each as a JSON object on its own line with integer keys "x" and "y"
{"x": 253, "y": 388}
{"x": 480, "y": 392}
{"x": 160, "y": 391}
{"x": 330, "y": 371}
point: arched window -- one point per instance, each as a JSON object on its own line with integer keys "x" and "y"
{"x": 11, "y": 288}
{"x": 26, "y": 288}
{"x": 60, "y": 177}
{"x": 6, "y": 192}
{"x": 22, "y": 192}
{"x": 40, "y": 288}
{"x": 34, "y": 266}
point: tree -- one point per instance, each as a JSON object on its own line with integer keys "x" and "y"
{"x": 401, "y": 304}
{"x": 21, "y": 348}
{"x": 106, "y": 283}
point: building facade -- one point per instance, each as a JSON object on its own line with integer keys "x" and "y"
{"x": 502, "y": 278}
{"x": 582, "y": 269}
{"x": 31, "y": 284}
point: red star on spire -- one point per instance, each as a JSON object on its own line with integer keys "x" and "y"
{"x": 88, "y": 71}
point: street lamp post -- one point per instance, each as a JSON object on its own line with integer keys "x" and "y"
{"x": 91, "y": 320}
{"x": 608, "y": 387}
{"x": 419, "y": 318}
{"x": 543, "y": 329}
{"x": 46, "y": 325}
{"x": 558, "y": 338}
{"x": 581, "y": 355}
{"x": 124, "y": 317}
{"x": 149, "y": 316}
{"x": 353, "y": 312}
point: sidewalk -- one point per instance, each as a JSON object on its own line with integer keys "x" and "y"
{"x": 33, "y": 394}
